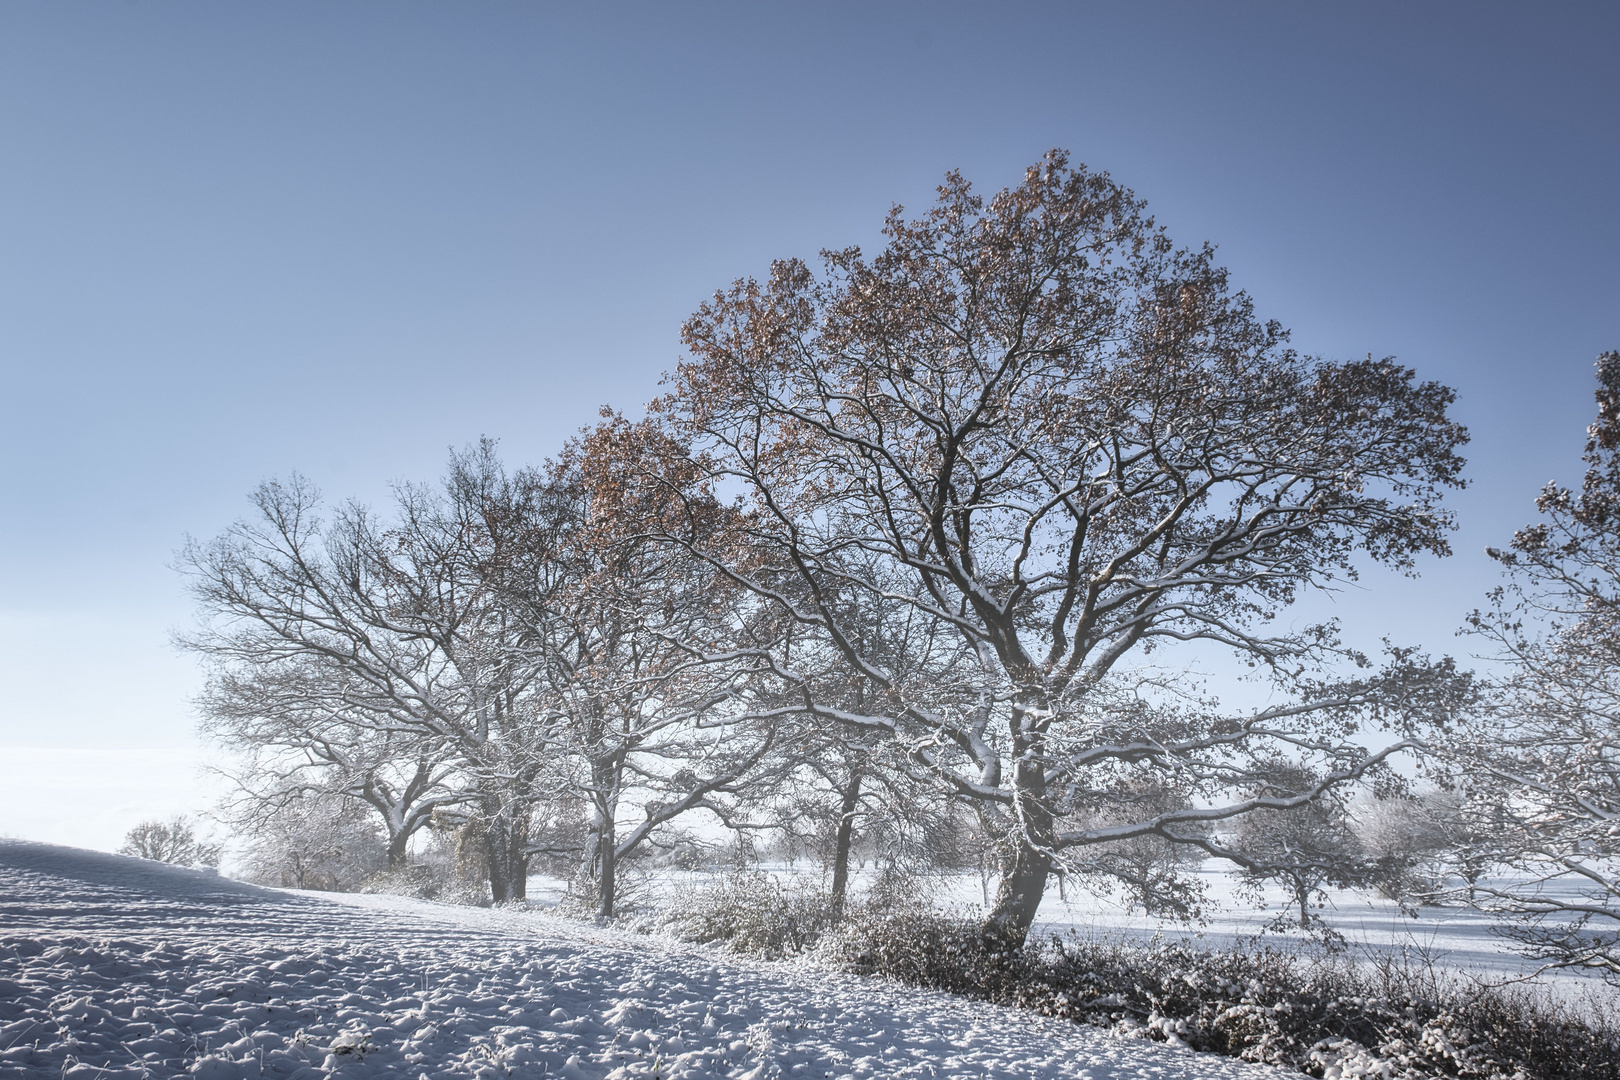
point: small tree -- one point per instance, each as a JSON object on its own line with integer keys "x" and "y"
{"x": 1302, "y": 848}
{"x": 1149, "y": 870}
{"x": 173, "y": 841}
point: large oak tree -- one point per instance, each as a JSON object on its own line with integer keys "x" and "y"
{"x": 1051, "y": 444}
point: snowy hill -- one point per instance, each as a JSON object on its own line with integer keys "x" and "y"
{"x": 115, "y": 967}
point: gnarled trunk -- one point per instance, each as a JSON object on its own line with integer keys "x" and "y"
{"x": 1033, "y": 839}
{"x": 397, "y": 842}
{"x": 1018, "y": 896}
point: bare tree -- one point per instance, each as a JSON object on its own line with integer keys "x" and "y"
{"x": 1060, "y": 444}
{"x": 501, "y": 643}
{"x": 1539, "y": 766}
{"x": 842, "y": 784}
{"x": 1302, "y": 848}
{"x": 173, "y": 841}
{"x": 1151, "y": 872}
{"x": 647, "y": 692}
{"x": 296, "y": 733}
{"x": 420, "y": 628}
{"x": 845, "y": 801}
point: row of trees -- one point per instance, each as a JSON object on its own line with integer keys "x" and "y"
{"x": 919, "y": 539}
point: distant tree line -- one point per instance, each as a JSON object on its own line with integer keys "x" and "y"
{"x": 915, "y": 546}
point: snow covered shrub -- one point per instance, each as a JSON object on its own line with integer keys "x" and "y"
{"x": 752, "y": 913}
{"x": 1319, "y": 1013}
{"x": 450, "y": 867}
{"x": 421, "y": 882}
{"x": 922, "y": 946}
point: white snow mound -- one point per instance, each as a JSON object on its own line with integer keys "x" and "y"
{"x": 117, "y": 967}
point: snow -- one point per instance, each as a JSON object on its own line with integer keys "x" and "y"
{"x": 116, "y": 967}
{"x": 1453, "y": 937}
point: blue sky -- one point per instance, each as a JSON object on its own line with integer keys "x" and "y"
{"x": 238, "y": 240}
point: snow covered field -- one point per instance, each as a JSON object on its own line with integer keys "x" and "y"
{"x": 114, "y": 967}
{"x": 1453, "y": 937}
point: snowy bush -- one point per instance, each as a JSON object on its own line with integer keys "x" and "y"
{"x": 450, "y": 867}
{"x": 419, "y": 882}
{"x": 753, "y": 913}
{"x": 1319, "y": 1013}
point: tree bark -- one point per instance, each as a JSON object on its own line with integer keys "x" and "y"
{"x": 1024, "y": 874}
{"x": 517, "y": 868}
{"x": 605, "y": 779}
{"x": 396, "y": 849}
{"x": 497, "y": 849}
{"x": 1018, "y": 896}
{"x": 505, "y": 836}
{"x": 608, "y": 876}
{"x": 843, "y": 842}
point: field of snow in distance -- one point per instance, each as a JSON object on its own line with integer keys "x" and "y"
{"x": 117, "y": 967}
{"x": 1453, "y": 938}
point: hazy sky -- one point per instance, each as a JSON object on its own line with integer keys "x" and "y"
{"x": 238, "y": 240}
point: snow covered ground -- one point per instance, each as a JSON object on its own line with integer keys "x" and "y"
{"x": 114, "y": 967}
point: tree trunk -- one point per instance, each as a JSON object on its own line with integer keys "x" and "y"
{"x": 1018, "y": 896}
{"x": 609, "y": 869}
{"x": 1024, "y": 873}
{"x": 517, "y": 872}
{"x": 843, "y": 842}
{"x": 605, "y": 777}
{"x": 498, "y": 848}
{"x": 396, "y": 849}
{"x": 505, "y": 838}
